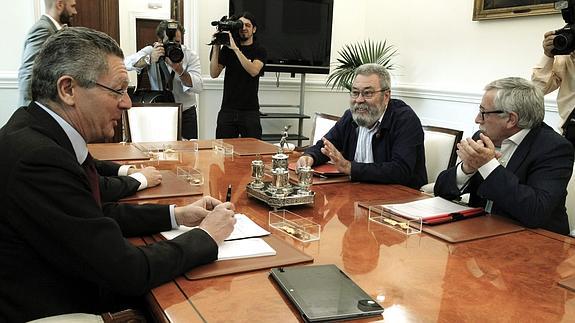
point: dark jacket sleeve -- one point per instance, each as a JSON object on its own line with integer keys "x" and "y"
{"x": 398, "y": 150}
{"x": 107, "y": 168}
{"x": 114, "y": 188}
{"x": 51, "y": 208}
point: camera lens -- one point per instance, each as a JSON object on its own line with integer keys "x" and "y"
{"x": 563, "y": 41}
{"x": 174, "y": 52}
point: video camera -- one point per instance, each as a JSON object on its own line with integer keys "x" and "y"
{"x": 564, "y": 41}
{"x": 172, "y": 49}
{"x": 225, "y": 24}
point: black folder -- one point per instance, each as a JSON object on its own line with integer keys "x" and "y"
{"x": 324, "y": 293}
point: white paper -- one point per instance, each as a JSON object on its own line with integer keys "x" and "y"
{"x": 245, "y": 248}
{"x": 244, "y": 228}
{"x": 426, "y": 208}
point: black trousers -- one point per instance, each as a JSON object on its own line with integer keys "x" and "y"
{"x": 236, "y": 123}
{"x": 190, "y": 123}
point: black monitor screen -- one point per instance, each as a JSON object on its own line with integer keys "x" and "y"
{"x": 295, "y": 33}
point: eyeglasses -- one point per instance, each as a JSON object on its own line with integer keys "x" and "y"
{"x": 483, "y": 113}
{"x": 366, "y": 94}
{"x": 119, "y": 93}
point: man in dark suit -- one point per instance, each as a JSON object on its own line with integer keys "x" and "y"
{"x": 378, "y": 139}
{"x": 516, "y": 165}
{"x": 61, "y": 251}
{"x": 58, "y": 14}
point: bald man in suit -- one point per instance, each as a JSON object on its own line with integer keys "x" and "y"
{"x": 59, "y": 13}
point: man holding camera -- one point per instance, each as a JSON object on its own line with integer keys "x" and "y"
{"x": 239, "y": 115}
{"x": 169, "y": 70}
{"x": 556, "y": 70}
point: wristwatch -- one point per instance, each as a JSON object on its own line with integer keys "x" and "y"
{"x": 147, "y": 60}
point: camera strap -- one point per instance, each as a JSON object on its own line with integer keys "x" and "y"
{"x": 164, "y": 73}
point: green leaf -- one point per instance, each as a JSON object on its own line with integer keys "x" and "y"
{"x": 351, "y": 56}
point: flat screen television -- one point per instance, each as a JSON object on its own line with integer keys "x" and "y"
{"x": 295, "y": 33}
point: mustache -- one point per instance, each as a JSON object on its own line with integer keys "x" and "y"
{"x": 358, "y": 106}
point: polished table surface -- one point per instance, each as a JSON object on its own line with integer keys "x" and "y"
{"x": 417, "y": 278}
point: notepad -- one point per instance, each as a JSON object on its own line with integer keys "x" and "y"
{"x": 433, "y": 210}
{"x": 242, "y": 242}
{"x": 244, "y": 228}
{"x": 245, "y": 248}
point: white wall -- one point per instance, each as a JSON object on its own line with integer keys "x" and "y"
{"x": 445, "y": 58}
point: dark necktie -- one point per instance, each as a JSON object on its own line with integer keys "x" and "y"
{"x": 93, "y": 177}
{"x": 166, "y": 77}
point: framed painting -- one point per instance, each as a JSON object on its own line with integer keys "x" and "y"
{"x": 495, "y": 9}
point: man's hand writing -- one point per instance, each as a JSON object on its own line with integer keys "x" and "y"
{"x": 220, "y": 222}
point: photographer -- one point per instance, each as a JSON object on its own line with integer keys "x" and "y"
{"x": 558, "y": 72}
{"x": 182, "y": 78}
{"x": 239, "y": 114}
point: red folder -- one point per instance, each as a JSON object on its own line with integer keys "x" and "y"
{"x": 321, "y": 170}
{"x": 442, "y": 218}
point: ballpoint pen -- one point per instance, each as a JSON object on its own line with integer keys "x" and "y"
{"x": 229, "y": 193}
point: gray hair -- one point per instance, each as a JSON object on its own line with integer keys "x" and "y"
{"x": 78, "y": 52}
{"x": 515, "y": 94}
{"x": 380, "y": 71}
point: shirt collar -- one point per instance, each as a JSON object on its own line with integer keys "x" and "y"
{"x": 57, "y": 24}
{"x": 518, "y": 137}
{"x": 78, "y": 143}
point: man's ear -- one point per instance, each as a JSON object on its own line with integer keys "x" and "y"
{"x": 67, "y": 87}
{"x": 513, "y": 120}
{"x": 254, "y": 29}
{"x": 59, "y": 5}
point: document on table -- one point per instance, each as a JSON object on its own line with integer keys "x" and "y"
{"x": 237, "y": 245}
{"x": 245, "y": 248}
{"x": 244, "y": 228}
{"x": 431, "y": 208}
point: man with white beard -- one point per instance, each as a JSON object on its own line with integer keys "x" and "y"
{"x": 378, "y": 139}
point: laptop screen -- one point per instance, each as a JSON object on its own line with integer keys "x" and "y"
{"x": 324, "y": 293}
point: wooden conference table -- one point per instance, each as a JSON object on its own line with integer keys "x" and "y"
{"x": 417, "y": 278}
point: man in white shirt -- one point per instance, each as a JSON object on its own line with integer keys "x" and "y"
{"x": 183, "y": 79}
{"x": 558, "y": 72}
{"x": 516, "y": 165}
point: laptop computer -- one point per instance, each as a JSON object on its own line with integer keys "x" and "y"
{"x": 324, "y": 293}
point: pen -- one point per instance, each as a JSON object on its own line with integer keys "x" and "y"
{"x": 229, "y": 193}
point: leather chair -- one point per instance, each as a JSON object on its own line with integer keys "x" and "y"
{"x": 125, "y": 316}
{"x": 322, "y": 123}
{"x": 149, "y": 122}
{"x": 440, "y": 152}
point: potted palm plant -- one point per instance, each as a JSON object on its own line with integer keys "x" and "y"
{"x": 354, "y": 55}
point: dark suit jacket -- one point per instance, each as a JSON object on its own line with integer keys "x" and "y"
{"x": 59, "y": 251}
{"x": 112, "y": 186}
{"x": 531, "y": 189}
{"x": 37, "y": 36}
{"x": 398, "y": 151}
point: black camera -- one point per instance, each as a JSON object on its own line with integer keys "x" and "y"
{"x": 224, "y": 24}
{"x": 564, "y": 41}
{"x": 172, "y": 49}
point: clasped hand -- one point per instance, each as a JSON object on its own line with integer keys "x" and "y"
{"x": 475, "y": 154}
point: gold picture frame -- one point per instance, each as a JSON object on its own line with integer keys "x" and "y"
{"x": 496, "y": 9}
